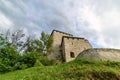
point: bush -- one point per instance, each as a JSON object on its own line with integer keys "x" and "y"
{"x": 46, "y": 62}
{"x": 56, "y": 62}
{"x": 26, "y": 60}
{"x": 38, "y": 64}
{"x": 8, "y": 59}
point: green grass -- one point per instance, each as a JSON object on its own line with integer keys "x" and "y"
{"x": 79, "y": 69}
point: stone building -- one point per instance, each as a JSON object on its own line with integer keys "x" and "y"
{"x": 69, "y": 48}
{"x": 66, "y": 46}
{"x": 72, "y": 46}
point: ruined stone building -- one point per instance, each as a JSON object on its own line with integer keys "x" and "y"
{"x": 66, "y": 46}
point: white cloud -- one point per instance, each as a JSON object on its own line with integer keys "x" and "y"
{"x": 5, "y": 22}
{"x": 96, "y": 20}
{"x": 104, "y": 22}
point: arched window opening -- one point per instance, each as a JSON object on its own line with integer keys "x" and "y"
{"x": 72, "y": 55}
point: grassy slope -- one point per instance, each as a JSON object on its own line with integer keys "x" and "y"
{"x": 79, "y": 69}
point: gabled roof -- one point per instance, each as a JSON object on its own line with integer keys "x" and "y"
{"x": 61, "y": 32}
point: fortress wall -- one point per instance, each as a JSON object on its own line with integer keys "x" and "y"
{"x": 74, "y": 45}
{"x": 101, "y": 54}
{"x": 57, "y": 39}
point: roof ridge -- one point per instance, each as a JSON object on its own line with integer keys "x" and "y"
{"x": 61, "y": 32}
{"x": 73, "y": 37}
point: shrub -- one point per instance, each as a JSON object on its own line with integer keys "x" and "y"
{"x": 26, "y": 60}
{"x": 56, "y": 62}
{"x": 8, "y": 59}
{"x": 38, "y": 64}
{"x": 46, "y": 62}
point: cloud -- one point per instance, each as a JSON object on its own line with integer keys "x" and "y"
{"x": 5, "y": 22}
{"x": 96, "y": 20}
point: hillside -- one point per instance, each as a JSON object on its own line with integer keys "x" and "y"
{"x": 79, "y": 69}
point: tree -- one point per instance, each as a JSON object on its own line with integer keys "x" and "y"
{"x": 16, "y": 38}
{"x": 33, "y": 50}
{"x": 33, "y": 46}
{"x": 4, "y": 42}
{"x": 42, "y": 45}
{"x": 8, "y": 55}
{"x": 46, "y": 41}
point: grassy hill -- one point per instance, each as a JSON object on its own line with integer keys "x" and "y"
{"x": 79, "y": 69}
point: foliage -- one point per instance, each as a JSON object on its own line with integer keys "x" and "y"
{"x": 34, "y": 46}
{"x": 38, "y": 64}
{"x": 46, "y": 41}
{"x": 3, "y": 42}
{"x": 8, "y": 59}
{"x": 8, "y": 55}
{"x": 46, "y": 62}
{"x": 27, "y": 60}
{"x": 33, "y": 54}
{"x": 16, "y": 38}
{"x": 42, "y": 45}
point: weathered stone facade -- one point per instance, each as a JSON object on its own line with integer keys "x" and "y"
{"x": 73, "y": 46}
{"x": 67, "y": 46}
{"x": 57, "y": 39}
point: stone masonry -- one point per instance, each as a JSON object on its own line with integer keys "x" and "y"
{"x": 106, "y": 54}
{"x": 73, "y": 46}
{"x": 57, "y": 38}
{"x": 66, "y": 46}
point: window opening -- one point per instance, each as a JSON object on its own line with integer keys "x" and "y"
{"x": 72, "y": 55}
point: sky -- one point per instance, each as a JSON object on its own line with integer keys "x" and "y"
{"x": 96, "y": 20}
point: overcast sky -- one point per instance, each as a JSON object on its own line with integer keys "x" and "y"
{"x": 96, "y": 20}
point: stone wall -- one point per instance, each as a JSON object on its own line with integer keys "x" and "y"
{"x": 57, "y": 39}
{"x": 72, "y": 46}
{"x": 101, "y": 54}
